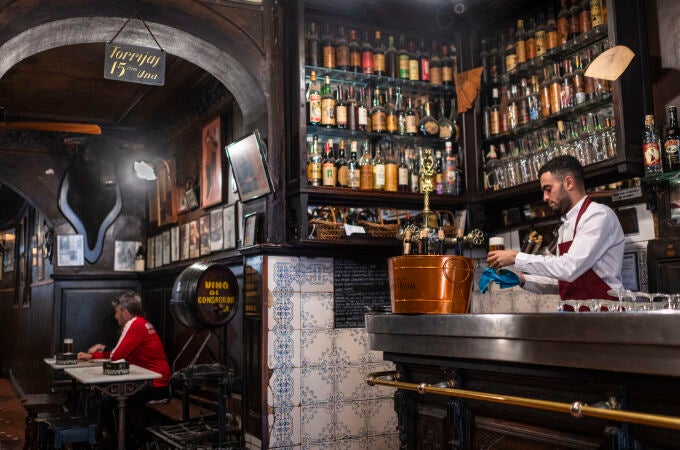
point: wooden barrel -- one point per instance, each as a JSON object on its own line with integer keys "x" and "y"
{"x": 204, "y": 296}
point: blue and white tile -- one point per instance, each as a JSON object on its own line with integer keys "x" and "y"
{"x": 350, "y": 345}
{"x": 350, "y": 420}
{"x": 283, "y": 308}
{"x": 382, "y": 419}
{"x": 316, "y": 347}
{"x": 315, "y": 274}
{"x": 284, "y": 427}
{"x": 284, "y": 387}
{"x": 316, "y": 384}
{"x": 351, "y": 444}
{"x": 283, "y": 271}
{"x": 383, "y": 442}
{"x": 318, "y": 445}
{"x": 316, "y": 310}
{"x": 317, "y": 423}
{"x": 377, "y": 391}
{"x": 350, "y": 383}
{"x": 283, "y": 347}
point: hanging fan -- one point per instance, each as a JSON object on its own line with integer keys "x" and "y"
{"x": 467, "y": 87}
{"x": 64, "y": 127}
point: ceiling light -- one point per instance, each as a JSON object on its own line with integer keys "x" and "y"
{"x": 145, "y": 170}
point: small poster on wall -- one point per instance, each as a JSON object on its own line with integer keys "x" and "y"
{"x": 216, "y": 236}
{"x": 70, "y": 250}
{"x": 124, "y": 256}
{"x": 211, "y": 167}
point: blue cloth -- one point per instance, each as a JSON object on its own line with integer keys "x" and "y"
{"x": 504, "y": 278}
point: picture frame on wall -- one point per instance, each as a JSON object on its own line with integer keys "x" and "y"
{"x": 247, "y": 159}
{"x": 174, "y": 244}
{"x": 166, "y": 192}
{"x": 211, "y": 163}
{"x": 150, "y": 253}
{"x": 229, "y": 226}
{"x": 124, "y": 256}
{"x": 204, "y": 230}
{"x": 159, "y": 249}
{"x": 8, "y": 242}
{"x": 216, "y": 230}
{"x": 184, "y": 233}
{"x": 250, "y": 230}
{"x": 166, "y": 247}
{"x": 70, "y": 251}
{"x": 194, "y": 240}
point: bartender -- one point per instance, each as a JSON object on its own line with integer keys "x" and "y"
{"x": 590, "y": 241}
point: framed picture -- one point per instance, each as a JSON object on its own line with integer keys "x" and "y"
{"x": 184, "y": 233}
{"x": 211, "y": 164}
{"x": 216, "y": 230}
{"x": 8, "y": 239}
{"x": 194, "y": 240}
{"x": 204, "y": 229}
{"x": 229, "y": 226}
{"x": 174, "y": 244}
{"x": 70, "y": 250}
{"x": 124, "y": 256}
{"x": 150, "y": 253}
{"x": 166, "y": 247}
{"x": 166, "y": 192}
{"x": 158, "y": 245}
{"x": 250, "y": 230}
{"x": 247, "y": 158}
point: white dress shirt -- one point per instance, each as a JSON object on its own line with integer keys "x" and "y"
{"x": 598, "y": 245}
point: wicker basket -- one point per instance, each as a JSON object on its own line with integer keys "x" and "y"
{"x": 449, "y": 230}
{"x": 328, "y": 229}
{"x": 381, "y": 229}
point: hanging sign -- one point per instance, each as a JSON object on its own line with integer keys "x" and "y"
{"x": 134, "y": 64}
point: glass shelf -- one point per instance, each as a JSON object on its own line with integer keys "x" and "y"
{"x": 659, "y": 178}
{"x": 375, "y": 137}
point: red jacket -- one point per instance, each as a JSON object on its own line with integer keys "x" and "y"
{"x": 139, "y": 344}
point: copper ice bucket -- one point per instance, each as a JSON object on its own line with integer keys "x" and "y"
{"x": 430, "y": 284}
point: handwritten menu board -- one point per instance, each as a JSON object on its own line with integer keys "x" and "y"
{"x": 358, "y": 284}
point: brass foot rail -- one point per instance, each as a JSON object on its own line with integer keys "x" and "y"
{"x": 576, "y": 409}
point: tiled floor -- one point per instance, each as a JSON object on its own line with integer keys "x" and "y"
{"x": 12, "y": 416}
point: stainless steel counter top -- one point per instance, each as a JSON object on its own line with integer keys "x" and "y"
{"x": 636, "y": 342}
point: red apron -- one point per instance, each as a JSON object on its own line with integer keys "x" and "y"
{"x": 589, "y": 285}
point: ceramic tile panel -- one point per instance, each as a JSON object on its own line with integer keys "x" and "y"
{"x": 283, "y": 308}
{"x": 318, "y": 446}
{"x": 284, "y": 427}
{"x": 315, "y": 274}
{"x": 283, "y": 271}
{"x": 383, "y": 442}
{"x": 283, "y": 347}
{"x": 350, "y": 383}
{"x": 373, "y": 392}
{"x": 351, "y": 444}
{"x": 350, "y": 345}
{"x": 317, "y": 423}
{"x": 316, "y": 310}
{"x": 350, "y": 420}
{"x": 316, "y": 384}
{"x": 316, "y": 347}
{"x": 284, "y": 387}
{"x": 382, "y": 418}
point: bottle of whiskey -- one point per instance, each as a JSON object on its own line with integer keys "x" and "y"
{"x": 585, "y": 22}
{"x": 366, "y": 168}
{"x": 342, "y": 166}
{"x": 563, "y": 23}
{"x": 327, "y": 47}
{"x": 378, "y": 169}
{"x": 510, "y": 53}
{"x": 413, "y": 62}
{"x": 378, "y": 114}
{"x": 378, "y": 55}
{"x": 390, "y": 112}
{"x": 312, "y": 49}
{"x": 391, "y": 59}
{"x": 314, "y": 100}
{"x": 411, "y": 119}
{"x": 354, "y": 52}
{"x": 520, "y": 42}
{"x": 574, "y": 14}
{"x": 671, "y": 141}
{"x": 579, "y": 82}
{"x": 555, "y": 90}
{"x": 342, "y": 61}
{"x": 530, "y": 45}
{"x": 435, "y": 66}
{"x": 651, "y": 147}
{"x": 362, "y": 112}
{"x": 447, "y": 66}
{"x": 340, "y": 108}
{"x": 366, "y": 55}
{"x": 351, "y": 104}
{"x": 438, "y": 173}
{"x": 424, "y": 62}
{"x": 328, "y": 169}
{"x": 314, "y": 163}
{"x": 552, "y": 37}
{"x": 402, "y": 173}
{"x": 391, "y": 171}
{"x": 327, "y": 104}
{"x": 401, "y": 114}
{"x": 540, "y": 36}
{"x": 403, "y": 58}
{"x": 353, "y": 168}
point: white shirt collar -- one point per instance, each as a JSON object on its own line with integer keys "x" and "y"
{"x": 573, "y": 212}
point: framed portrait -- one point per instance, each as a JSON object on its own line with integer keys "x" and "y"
{"x": 174, "y": 244}
{"x": 211, "y": 163}
{"x": 166, "y": 192}
{"x": 166, "y": 247}
{"x": 250, "y": 230}
{"x": 159, "y": 249}
{"x": 70, "y": 250}
{"x": 216, "y": 230}
{"x": 7, "y": 241}
{"x": 194, "y": 240}
{"x": 184, "y": 233}
{"x": 229, "y": 226}
{"x": 150, "y": 253}
{"x": 124, "y": 256}
{"x": 247, "y": 158}
{"x": 204, "y": 229}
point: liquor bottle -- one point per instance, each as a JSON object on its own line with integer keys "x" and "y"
{"x": 312, "y": 49}
{"x": 414, "y": 170}
{"x": 438, "y": 172}
{"x": 411, "y": 119}
{"x": 495, "y": 112}
{"x": 574, "y": 14}
{"x": 460, "y": 242}
{"x": 520, "y": 42}
{"x": 424, "y": 62}
{"x": 407, "y": 242}
{"x": 433, "y": 243}
{"x": 453, "y": 53}
{"x": 353, "y": 168}
{"x": 354, "y": 52}
{"x": 366, "y": 55}
{"x": 579, "y": 82}
{"x": 552, "y": 37}
{"x": 378, "y": 169}
{"x": 446, "y": 130}
{"x": 391, "y": 59}
{"x": 327, "y": 47}
{"x": 484, "y": 56}
{"x": 504, "y": 123}
{"x": 314, "y": 100}
{"x": 403, "y": 58}
{"x": 351, "y": 109}
{"x": 447, "y": 66}
{"x": 563, "y": 23}
{"x": 513, "y": 107}
{"x": 413, "y": 62}
{"x": 540, "y": 36}
{"x": 671, "y": 141}
{"x": 391, "y": 112}
{"x": 340, "y": 108}
{"x": 328, "y": 169}
{"x": 378, "y": 114}
{"x": 362, "y": 112}
{"x": 391, "y": 171}
{"x": 342, "y": 166}
{"x": 651, "y": 147}
{"x": 523, "y": 106}
{"x": 402, "y": 172}
{"x": 342, "y": 61}
{"x": 534, "y": 100}
{"x": 378, "y": 55}
{"x": 366, "y": 169}
{"x": 327, "y": 104}
{"x": 589, "y": 82}
{"x": 596, "y": 16}
{"x": 555, "y": 90}
{"x": 530, "y": 44}
{"x": 585, "y": 21}
{"x": 435, "y": 66}
{"x": 494, "y": 70}
{"x": 401, "y": 114}
{"x": 428, "y": 126}
{"x": 449, "y": 169}
{"x": 510, "y": 53}
{"x": 314, "y": 163}
{"x": 567, "y": 85}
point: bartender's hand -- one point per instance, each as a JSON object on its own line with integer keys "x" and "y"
{"x": 82, "y": 356}
{"x": 501, "y": 258}
{"x": 96, "y": 348}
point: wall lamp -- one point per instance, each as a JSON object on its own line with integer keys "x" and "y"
{"x": 145, "y": 170}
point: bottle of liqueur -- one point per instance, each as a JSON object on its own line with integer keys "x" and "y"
{"x": 428, "y": 126}
{"x": 413, "y": 62}
{"x": 585, "y": 21}
{"x": 351, "y": 105}
{"x": 567, "y": 85}
{"x": 327, "y": 47}
{"x": 671, "y": 141}
{"x": 447, "y": 66}
{"x": 651, "y": 147}
{"x": 327, "y": 104}
{"x": 596, "y": 16}
{"x": 312, "y": 49}
{"x": 391, "y": 112}
{"x": 574, "y": 14}
{"x": 341, "y": 166}
{"x": 378, "y": 55}
{"x": 446, "y": 130}
{"x": 563, "y": 23}
{"x": 579, "y": 82}
{"x": 438, "y": 172}
{"x": 354, "y": 52}
{"x": 555, "y": 90}
{"x": 552, "y": 37}
{"x": 342, "y": 61}
{"x": 493, "y": 63}
{"x": 379, "y": 169}
{"x": 435, "y": 66}
{"x": 400, "y": 112}
{"x": 534, "y": 100}
{"x": 525, "y": 92}
{"x": 411, "y": 119}
{"x": 362, "y": 112}
{"x": 391, "y": 59}
{"x": 460, "y": 242}
{"x": 329, "y": 172}
{"x": 353, "y": 168}
{"x": 540, "y": 36}
{"x": 449, "y": 169}
{"x": 378, "y": 114}
{"x": 340, "y": 109}
{"x": 589, "y": 82}
{"x": 402, "y": 172}
{"x": 314, "y": 100}
{"x": 391, "y": 171}
{"x": 513, "y": 107}
{"x": 366, "y": 169}
{"x": 520, "y": 42}
{"x": 530, "y": 45}
{"x": 510, "y": 53}
{"x": 403, "y": 58}
{"x": 414, "y": 170}
{"x": 495, "y": 112}
{"x": 424, "y": 62}
{"x": 314, "y": 163}
{"x": 366, "y": 55}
